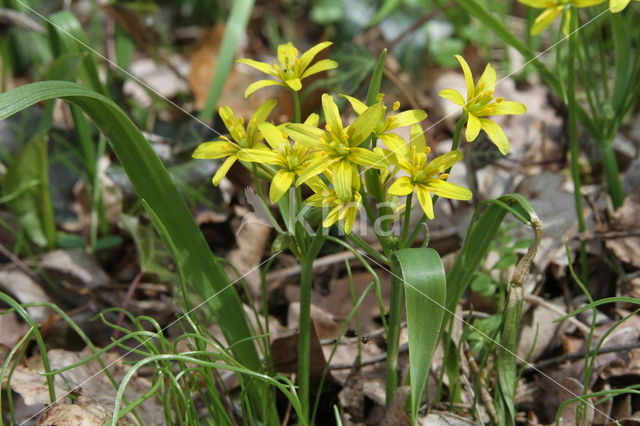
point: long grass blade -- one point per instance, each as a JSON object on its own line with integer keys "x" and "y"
{"x": 234, "y": 30}
{"x": 152, "y": 183}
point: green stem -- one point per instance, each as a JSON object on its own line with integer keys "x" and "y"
{"x": 393, "y": 335}
{"x": 610, "y": 166}
{"x": 574, "y": 150}
{"x": 297, "y": 109}
{"x": 304, "y": 326}
{"x": 405, "y": 223}
{"x": 362, "y": 245}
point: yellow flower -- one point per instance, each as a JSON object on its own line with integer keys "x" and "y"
{"x": 555, "y": 7}
{"x": 616, "y": 6}
{"x": 241, "y": 138}
{"x": 341, "y": 210}
{"x": 291, "y": 158}
{"x": 480, "y": 102}
{"x": 426, "y": 177}
{"x": 391, "y": 121}
{"x": 338, "y": 147}
{"x": 291, "y": 68}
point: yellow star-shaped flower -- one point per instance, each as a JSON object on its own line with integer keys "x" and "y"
{"x": 553, "y": 8}
{"x": 338, "y": 146}
{"x": 241, "y": 138}
{"x": 291, "y": 68}
{"x": 426, "y": 177}
{"x": 480, "y": 103}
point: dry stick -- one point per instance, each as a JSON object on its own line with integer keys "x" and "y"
{"x": 19, "y": 263}
{"x": 127, "y": 299}
{"x": 540, "y": 301}
{"x": 20, "y": 19}
{"x": 579, "y": 355}
{"x": 417, "y": 24}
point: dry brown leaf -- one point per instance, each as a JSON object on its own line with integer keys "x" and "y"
{"x": 11, "y": 330}
{"x": 85, "y": 413}
{"x": 626, "y": 220}
{"x": 570, "y": 388}
{"x": 74, "y": 267}
{"x": 444, "y": 419}
{"x": 23, "y": 288}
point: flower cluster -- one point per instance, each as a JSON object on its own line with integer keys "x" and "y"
{"x": 555, "y": 8}
{"x": 331, "y": 159}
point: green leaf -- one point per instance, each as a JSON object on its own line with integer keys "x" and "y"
{"x": 387, "y": 7}
{"x": 233, "y": 33}
{"x": 200, "y": 269}
{"x": 506, "y": 261}
{"x": 376, "y": 78}
{"x": 425, "y": 289}
{"x": 32, "y": 206}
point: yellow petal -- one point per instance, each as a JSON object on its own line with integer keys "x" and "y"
{"x": 361, "y": 129}
{"x": 260, "y": 66}
{"x": 402, "y": 186}
{"x": 407, "y": 118}
{"x": 308, "y": 56}
{"x": 272, "y": 135}
{"x": 365, "y": 157}
{"x": 417, "y": 138}
{"x": 232, "y": 123}
{"x": 280, "y": 185}
{"x": 545, "y": 19}
{"x": 287, "y": 54}
{"x": 313, "y": 169}
{"x": 424, "y": 198}
{"x": 260, "y": 156}
{"x": 262, "y": 112}
{"x": 395, "y": 143}
{"x": 304, "y": 134}
{"x": 316, "y": 184}
{"x": 331, "y": 218}
{"x": 349, "y": 219}
{"x": 588, "y": 3}
{"x": 215, "y": 149}
{"x": 358, "y": 106}
{"x": 468, "y": 77}
{"x": 257, "y": 85}
{"x": 294, "y": 84}
{"x": 473, "y": 128}
{"x": 323, "y": 65}
{"x": 496, "y": 134}
{"x": 616, "y": 6}
{"x": 312, "y": 120}
{"x": 486, "y": 83}
{"x": 540, "y": 4}
{"x": 331, "y": 114}
{"x": 440, "y": 164}
{"x": 452, "y": 95}
{"x": 223, "y": 169}
{"x": 342, "y": 178}
{"x": 445, "y": 189}
{"x": 504, "y": 108}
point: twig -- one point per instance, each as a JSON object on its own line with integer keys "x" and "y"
{"x": 540, "y": 301}
{"x": 20, "y": 19}
{"x": 317, "y": 264}
{"x": 579, "y": 355}
{"x": 127, "y": 299}
{"x": 19, "y": 263}
{"x": 417, "y": 24}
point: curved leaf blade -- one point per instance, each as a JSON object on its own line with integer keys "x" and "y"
{"x": 425, "y": 290}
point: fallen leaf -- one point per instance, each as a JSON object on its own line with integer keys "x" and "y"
{"x": 23, "y": 288}
{"x": 75, "y": 267}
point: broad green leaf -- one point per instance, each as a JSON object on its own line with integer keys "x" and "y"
{"x": 233, "y": 33}
{"x": 32, "y": 206}
{"x": 153, "y": 185}
{"x": 424, "y": 289}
